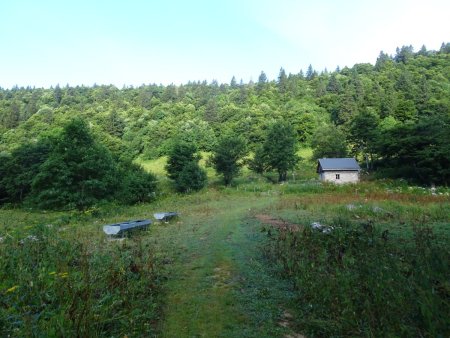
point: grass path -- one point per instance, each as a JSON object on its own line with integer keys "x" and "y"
{"x": 218, "y": 285}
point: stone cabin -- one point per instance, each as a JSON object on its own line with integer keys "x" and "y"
{"x": 338, "y": 170}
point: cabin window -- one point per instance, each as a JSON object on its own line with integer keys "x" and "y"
{"x": 338, "y": 176}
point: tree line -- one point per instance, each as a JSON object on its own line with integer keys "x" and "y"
{"x": 393, "y": 115}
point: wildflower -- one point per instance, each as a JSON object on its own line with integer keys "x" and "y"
{"x": 63, "y": 274}
{"x": 12, "y": 289}
{"x": 31, "y": 238}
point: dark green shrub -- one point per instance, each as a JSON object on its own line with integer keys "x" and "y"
{"x": 183, "y": 169}
{"x": 179, "y": 155}
{"x": 258, "y": 163}
{"x": 191, "y": 178}
{"x": 4, "y": 159}
{"x": 78, "y": 172}
{"x": 137, "y": 185}
{"x": 18, "y": 170}
{"x": 227, "y": 156}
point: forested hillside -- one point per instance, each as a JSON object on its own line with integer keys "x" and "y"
{"x": 394, "y": 115}
{"x": 244, "y": 257}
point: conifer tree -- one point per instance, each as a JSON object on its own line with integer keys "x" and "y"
{"x": 282, "y": 81}
{"x": 183, "y": 169}
{"x": 310, "y": 73}
{"x": 233, "y": 83}
{"x": 227, "y": 156}
{"x": 262, "y": 81}
{"x": 78, "y": 172}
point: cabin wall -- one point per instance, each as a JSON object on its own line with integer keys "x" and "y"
{"x": 344, "y": 176}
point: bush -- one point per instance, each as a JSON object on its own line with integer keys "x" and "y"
{"x": 78, "y": 172}
{"x": 179, "y": 155}
{"x": 191, "y": 178}
{"x": 228, "y": 154}
{"x": 4, "y": 159}
{"x": 258, "y": 163}
{"x": 18, "y": 170}
{"x": 137, "y": 186}
{"x": 183, "y": 169}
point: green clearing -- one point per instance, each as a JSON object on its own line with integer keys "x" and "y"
{"x": 211, "y": 258}
{"x": 213, "y": 272}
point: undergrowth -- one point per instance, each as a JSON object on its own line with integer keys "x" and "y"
{"x": 358, "y": 281}
{"x": 65, "y": 279}
{"x": 53, "y": 284}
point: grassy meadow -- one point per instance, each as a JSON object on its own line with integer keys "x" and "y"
{"x": 240, "y": 261}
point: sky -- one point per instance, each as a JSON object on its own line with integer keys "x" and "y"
{"x": 132, "y": 42}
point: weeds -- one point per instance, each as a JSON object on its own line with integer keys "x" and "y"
{"x": 54, "y": 286}
{"x": 357, "y": 281}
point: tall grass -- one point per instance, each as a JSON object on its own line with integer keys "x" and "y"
{"x": 357, "y": 281}
{"x": 53, "y": 284}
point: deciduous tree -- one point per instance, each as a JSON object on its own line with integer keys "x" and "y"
{"x": 329, "y": 141}
{"x": 280, "y": 148}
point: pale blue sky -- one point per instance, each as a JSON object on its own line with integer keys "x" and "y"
{"x": 130, "y": 42}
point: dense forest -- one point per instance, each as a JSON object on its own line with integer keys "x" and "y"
{"x": 394, "y": 116}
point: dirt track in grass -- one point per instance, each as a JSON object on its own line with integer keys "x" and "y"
{"x": 219, "y": 284}
{"x": 277, "y": 222}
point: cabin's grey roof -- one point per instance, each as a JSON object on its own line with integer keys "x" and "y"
{"x": 337, "y": 164}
